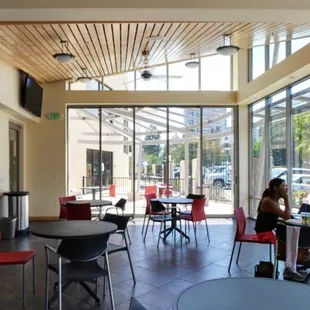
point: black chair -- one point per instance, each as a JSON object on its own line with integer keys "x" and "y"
{"x": 135, "y": 305}
{"x": 81, "y": 266}
{"x": 120, "y": 205}
{"x": 121, "y": 222}
{"x": 167, "y": 215}
{"x": 303, "y": 243}
{"x": 304, "y": 208}
{"x": 195, "y": 196}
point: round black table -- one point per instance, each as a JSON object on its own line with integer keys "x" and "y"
{"x": 93, "y": 203}
{"x": 72, "y": 229}
{"x": 244, "y": 294}
{"x": 174, "y": 202}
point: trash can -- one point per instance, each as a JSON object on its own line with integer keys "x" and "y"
{"x": 18, "y": 205}
{"x": 8, "y": 227}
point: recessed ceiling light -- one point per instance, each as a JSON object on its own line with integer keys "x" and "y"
{"x": 154, "y": 38}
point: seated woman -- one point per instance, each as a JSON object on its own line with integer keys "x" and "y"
{"x": 269, "y": 212}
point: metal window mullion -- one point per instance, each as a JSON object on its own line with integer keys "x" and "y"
{"x": 267, "y": 57}
{"x": 289, "y": 139}
{"x": 267, "y": 140}
{"x": 134, "y": 160}
{"x": 100, "y": 153}
{"x": 135, "y": 79}
{"x": 250, "y": 64}
{"x": 201, "y": 149}
{"x": 251, "y": 162}
{"x": 288, "y": 48}
{"x": 167, "y": 152}
{"x": 236, "y": 157}
{"x": 199, "y": 74}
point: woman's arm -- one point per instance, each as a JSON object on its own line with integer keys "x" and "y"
{"x": 269, "y": 205}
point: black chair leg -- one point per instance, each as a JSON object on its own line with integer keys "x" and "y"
{"x": 207, "y": 228}
{"x": 238, "y": 253}
{"x": 231, "y": 257}
{"x": 143, "y": 224}
{"x": 147, "y": 227}
{"x": 153, "y": 226}
{"x": 195, "y": 233}
{"x": 130, "y": 262}
{"x": 270, "y": 252}
{"x": 129, "y": 239}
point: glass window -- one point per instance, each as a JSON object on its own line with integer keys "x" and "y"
{"x": 258, "y": 61}
{"x": 182, "y": 77}
{"x": 278, "y": 55}
{"x": 216, "y": 73}
{"x": 157, "y": 81}
{"x": 124, "y": 81}
{"x": 301, "y": 150}
{"x": 258, "y": 142}
{"x": 91, "y": 85}
{"x": 297, "y": 44}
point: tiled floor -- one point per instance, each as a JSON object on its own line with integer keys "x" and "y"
{"x": 161, "y": 274}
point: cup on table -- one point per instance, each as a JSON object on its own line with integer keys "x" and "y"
{"x": 305, "y": 218}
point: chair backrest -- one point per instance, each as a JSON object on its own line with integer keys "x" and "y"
{"x": 195, "y": 196}
{"x": 83, "y": 249}
{"x": 150, "y": 189}
{"x": 112, "y": 190}
{"x": 304, "y": 235}
{"x": 78, "y": 211}
{"x": 63, "y": 209}
{"x": 304, "y": 208}
{"x": 157, "y": 206}
{"x": 148, "y": 198}
{"x": 120, "y": 221}
{"x": 241, "y": 221}
{"x": 121, "y": 204}
{"x": 198, "y": 210}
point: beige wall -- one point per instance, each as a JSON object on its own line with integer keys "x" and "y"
{"x": 46, "y": 155}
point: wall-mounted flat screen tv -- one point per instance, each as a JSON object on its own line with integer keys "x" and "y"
{"x": 31, "y": 94}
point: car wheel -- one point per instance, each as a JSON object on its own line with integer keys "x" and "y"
{"x": 219, "y": 183}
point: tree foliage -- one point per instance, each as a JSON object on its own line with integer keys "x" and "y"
{"x": 152, "y": 152}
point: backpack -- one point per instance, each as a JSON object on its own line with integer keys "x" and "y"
{"x": 264, "y": 270}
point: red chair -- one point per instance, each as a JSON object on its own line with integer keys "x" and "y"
{"x": 148, "y": 198}
{"x": 20, "y": 258}
{"x": 150, "y": 189}
{"x": 241, "y": 236}
{"x": 112, "y": 190}
{"x": 197, "y": 214}
{"x": 79, "y": 211}
{"x": 63, "y": 209}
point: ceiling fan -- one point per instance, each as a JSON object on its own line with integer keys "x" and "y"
{"x": 147, "y": 75}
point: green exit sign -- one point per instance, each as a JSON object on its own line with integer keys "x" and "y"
{"x": 53, "y": 116}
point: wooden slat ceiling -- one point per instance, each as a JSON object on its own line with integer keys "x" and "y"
{"x": 106, "y": 49}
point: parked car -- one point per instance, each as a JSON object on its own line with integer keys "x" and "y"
{"x": 301, "y": 182}
{"x": 282, "y": 172}
{"x": 219, "y": 176}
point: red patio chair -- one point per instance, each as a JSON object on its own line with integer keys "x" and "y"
{"x": 241, "y": 236}
{"x": 148, "y": 198}
{"x": 20, "y": 258}
{"x": 79, "y": 211}
{"x": 63, "y": 215}
{"x": 112, "y": 190}
{"x": 150, "y": 189}
{"x": 197, "y": 214}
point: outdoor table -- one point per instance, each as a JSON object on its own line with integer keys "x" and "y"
{"x": 244, "y": 294}
{"x": 99, "y": 204}
{"x": 72, "y": 230}
{"x": 174, "y": 202}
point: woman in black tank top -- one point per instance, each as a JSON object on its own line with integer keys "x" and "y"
{"x": 269, "y": 210}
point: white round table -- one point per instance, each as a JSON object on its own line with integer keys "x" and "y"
{"x": 244, "y": 294}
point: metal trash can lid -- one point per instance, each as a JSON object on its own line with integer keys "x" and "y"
{"x": 14, "y": 194}
{"x": 8, "y": 219}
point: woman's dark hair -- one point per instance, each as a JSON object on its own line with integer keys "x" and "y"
{"x": 273, "y": 184}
